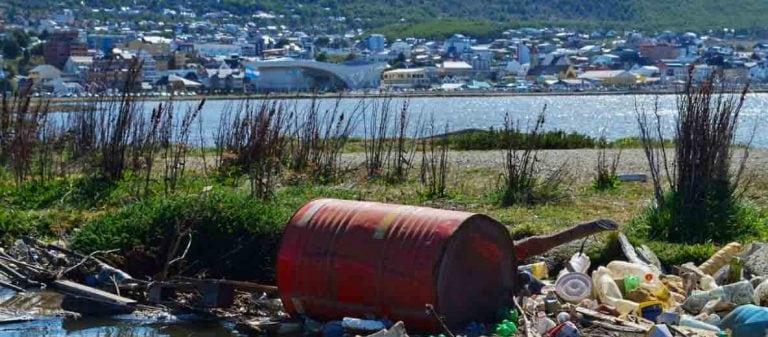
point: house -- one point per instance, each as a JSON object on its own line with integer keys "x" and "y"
{"x": 610, "y": 77}
{"x": 405, "y": 78}
{"x": 43, "y": 74}
{"x": 399, "y": 47}
{"x": 659, "y": 51}
{"x": 225, "y": 78}
{"x": 175, "y": 83}
{"x": 78, "y": 66}
{"x": 539, "y": 73}
{"x": 456, "y": 69}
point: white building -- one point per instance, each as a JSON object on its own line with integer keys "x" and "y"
{"x": 457, "y": 44}
{"x": 400, "y": 47}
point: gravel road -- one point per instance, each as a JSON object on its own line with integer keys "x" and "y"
{"x": 580, "y": 163}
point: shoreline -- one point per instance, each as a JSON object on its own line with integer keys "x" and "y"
{"x": 469, "y": 94}
{"x": 348, "y": 95}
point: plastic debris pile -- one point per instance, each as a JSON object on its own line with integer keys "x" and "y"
{"x": 724, "y": 296}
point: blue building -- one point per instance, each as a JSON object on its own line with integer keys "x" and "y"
{"x": 105, "y": 42}
{"x": 375, "y": 42}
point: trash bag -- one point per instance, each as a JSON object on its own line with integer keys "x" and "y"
{"x": 747, "y": 321}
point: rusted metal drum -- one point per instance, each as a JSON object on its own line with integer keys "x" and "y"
{"x": 344, "y": 258}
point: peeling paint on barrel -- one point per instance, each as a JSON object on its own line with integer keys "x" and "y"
{"x": 342, "y": 258}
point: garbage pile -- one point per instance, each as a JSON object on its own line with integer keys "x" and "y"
{"x": 89, "y": 286}
{"x": 725, "y": 296}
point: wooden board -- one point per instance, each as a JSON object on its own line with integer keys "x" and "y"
{"x": 86, "y": 291}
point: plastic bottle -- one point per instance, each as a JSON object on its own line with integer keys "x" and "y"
{"x": 608, "y": 291}
{"x": 543, "y": 323}
{"x": 721, "y": 258}
{"x": 538, "y": 270}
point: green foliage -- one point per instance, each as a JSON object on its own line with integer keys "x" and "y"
{"x": 81, "y": 192}
{"x": 441, "y": 29}
{"x": 493, "y": 140}
{"x": 606, "y": 181}
{"x": 233, "y": 235}
{"x": 718, "y": 222}
{"x": 484, "y": 18}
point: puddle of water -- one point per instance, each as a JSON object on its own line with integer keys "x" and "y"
{"x": 46, "y": 305}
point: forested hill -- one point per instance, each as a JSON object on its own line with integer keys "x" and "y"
{"x": 655, "y": 15}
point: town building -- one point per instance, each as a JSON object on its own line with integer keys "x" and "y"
{"x": 405, "y": 78}
{"x": 61, "y": 45}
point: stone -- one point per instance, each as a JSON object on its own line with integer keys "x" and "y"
{"x": 756, "y": 259}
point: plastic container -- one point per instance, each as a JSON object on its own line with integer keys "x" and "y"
{"x": 574, "y": 287}
{"x": 580, "y": 262}
{"x": 622, "y": 269}
{"x": 538, "y": 270}
{"x": 721, "y": 258}
{"x": 551, "y": 304}
{"x": 650, "y": 310}
{"x": 608, "y": 291}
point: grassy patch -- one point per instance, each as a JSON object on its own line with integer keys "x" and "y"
{"x": 233, "y": 235}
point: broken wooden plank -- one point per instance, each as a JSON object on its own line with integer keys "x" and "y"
{"x": 239, "y": 285}
{"x": 89, "y": 292}
{"x": 611, "y": 319}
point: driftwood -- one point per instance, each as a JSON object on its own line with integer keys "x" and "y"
{"x": 614, "y": 321}
{"x": 537, "y": 245}
{"x": 69, "y": 287}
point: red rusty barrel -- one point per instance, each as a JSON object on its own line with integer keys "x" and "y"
{"x": 344, "y": 258}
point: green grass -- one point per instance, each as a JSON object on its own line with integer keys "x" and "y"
{"x": 227, "y": 222}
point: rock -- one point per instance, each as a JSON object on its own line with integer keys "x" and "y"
{"x": 756, "y": 259}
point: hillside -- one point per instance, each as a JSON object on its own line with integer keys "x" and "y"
{"x": 401, "y": 15}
